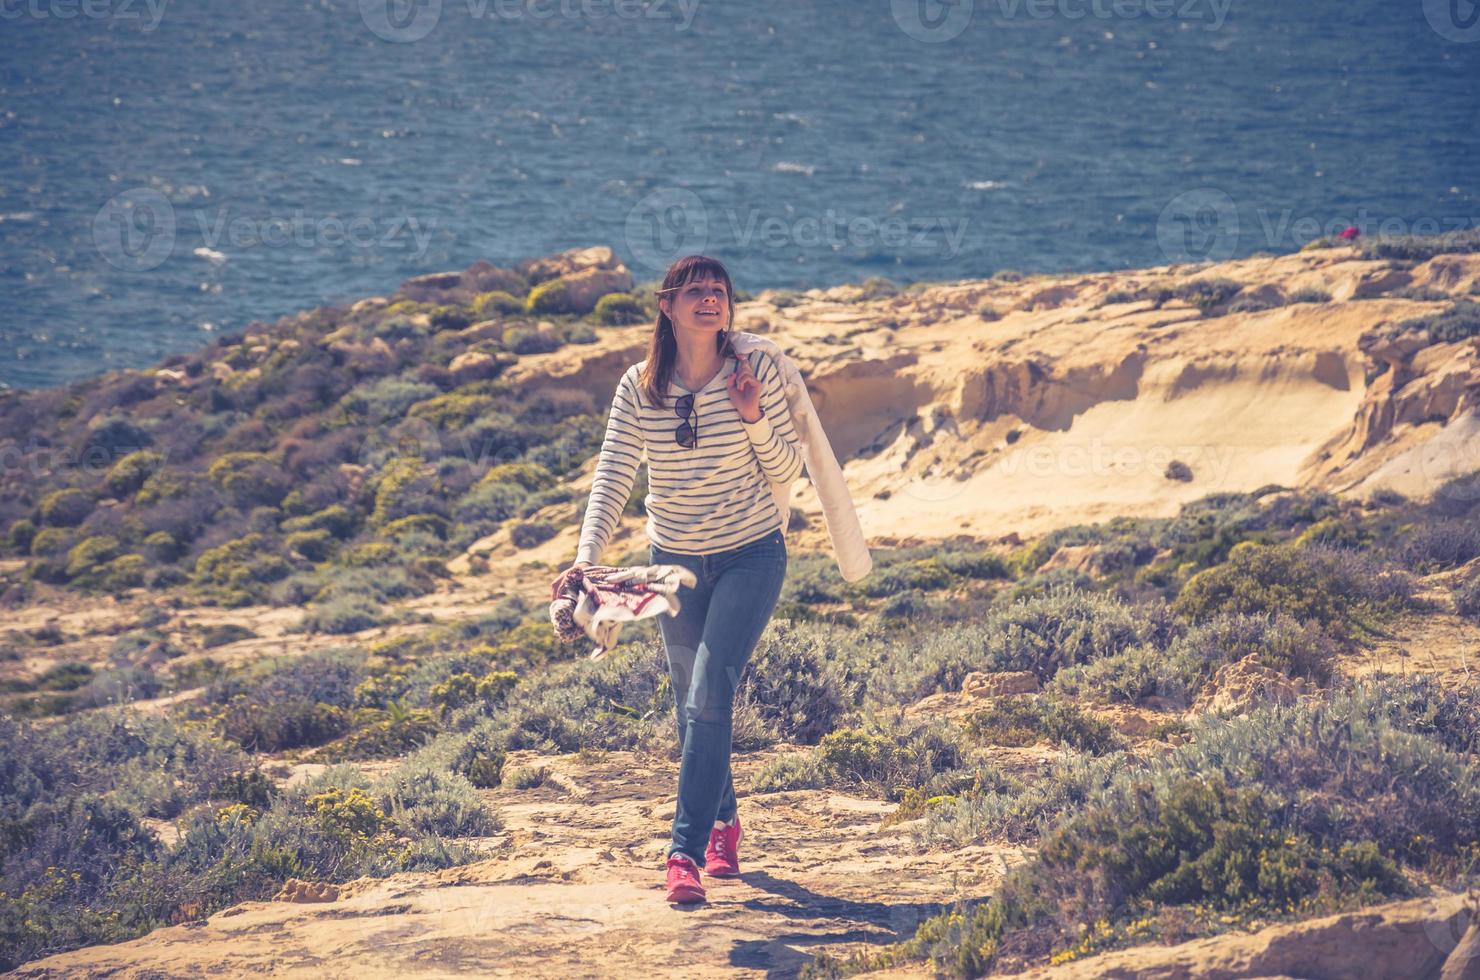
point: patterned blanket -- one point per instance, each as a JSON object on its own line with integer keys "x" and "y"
{"x": 594, "y": 601}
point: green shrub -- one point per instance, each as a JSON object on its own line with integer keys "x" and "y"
{"x": 791, "y": 687}
{"x": 314, "y": 545}
{"x": 548, "y": 298}
{"x": 1458, "y": 323}
{"x": 496, "y": 303}
{"x": 406, "y": 485}
{"x": 66, "y": 507}
{"x": 423, "y": 798}
{"x": 162, "y": 546}
{"x": 337, "y": 519}
{"x": 452, "y": 410}
{"x": 250, "y": 478}
{"x": 90, "y": 552}
{"x": 344, "y": 613}
{"x": 393, "y": 733}
{"x": 1309, "y": 295}
{"x": 1026, "y": 720}
{"x": 526, "y": 340}
{"x": 20, "y": 535}
{"x": 241, "y": 563}
{"x": 220, "y": 636}
{"x": 449, "y": 318}
{"x": 125, "y": 477}
{"x": 529, "y": 534}
{"x": 1333, "y": 588}
{"x": 619, "y": 309}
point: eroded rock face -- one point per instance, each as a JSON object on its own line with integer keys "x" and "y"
{"x": 996, "y": 684}
{"x": 1423, "y": 939}
{"x": 1244, "y": 684}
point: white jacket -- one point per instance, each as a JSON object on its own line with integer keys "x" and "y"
{"x": 848, "y": 544}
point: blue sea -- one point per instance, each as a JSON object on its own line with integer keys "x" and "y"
{"x": 174, "y": 170}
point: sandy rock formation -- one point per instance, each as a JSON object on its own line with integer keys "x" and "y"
{"x": 1244, "y": 684}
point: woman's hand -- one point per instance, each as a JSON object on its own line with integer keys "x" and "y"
{"x": 559, "y": 582}
{"x": 745, "y": 391}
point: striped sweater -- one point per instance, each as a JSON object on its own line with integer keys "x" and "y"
{"x": 711, "y": 497}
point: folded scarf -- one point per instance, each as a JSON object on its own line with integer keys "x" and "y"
{"x": 595, "y": 600}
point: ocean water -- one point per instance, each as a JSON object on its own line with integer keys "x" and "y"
{"x": 173, "y": 170}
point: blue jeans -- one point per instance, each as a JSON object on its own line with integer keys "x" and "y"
{"x": 708, "y": 644}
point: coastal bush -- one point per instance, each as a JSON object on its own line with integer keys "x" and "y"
{"x": 619, "y": 309}
{"x": 314, "y": 545}
{"x": 384, "y": 399}
{"x": 405, "y": 485}
{"x": 1043, "y": 634}
{"x": 241, "y": 563}
{"x": 66, "y": 507}
{"x": 250, "y": 478}
{"x": 490, "y": 504}
{"x": 380, "y": 734}
{"x": 1432, "y": 546}
{"x": 1027, "y": 720}
{"x": 527, "y": 340}
{"x": 280, "y": 704}
{"x": 421, "y": 797}
{"x": 1290, "y": 810}
{"x": 337, "y": 519}
{"x": 451, "y": 411}
{"x": 548, "y": 298}
{"x": 496, "y": 303}
{"x": 1420, "y": 248}
{"x": 20, "y": 534}
{"x": 791, "y": 687}
{"x": 885, "y": 761}
{"x": 1458, "y": 323}
{"x": 1466, "y": 595}
{"x": 125, "y": 477}
{"x": 529, "y": 534}
{"x": 1340, "y": 591}
{"x": 344, "y": 613}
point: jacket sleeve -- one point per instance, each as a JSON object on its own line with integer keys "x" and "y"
{"x": 772, "y": 436}
{"x": 616, "y": 472}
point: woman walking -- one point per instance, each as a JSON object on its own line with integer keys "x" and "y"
{"x": 710, "y": 509}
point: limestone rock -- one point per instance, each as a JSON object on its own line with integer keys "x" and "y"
{"x": 996, "y": 684}
{"x": 1244, "y": 684}
{"x": 570, "y": 262}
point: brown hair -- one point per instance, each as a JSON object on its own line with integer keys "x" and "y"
{"x": 663, "y": 346}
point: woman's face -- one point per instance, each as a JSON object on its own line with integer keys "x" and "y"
{"x": 698, "y": 306}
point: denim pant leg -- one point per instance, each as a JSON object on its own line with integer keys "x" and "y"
{"x": 745, "y": 584}
{"x": 681, "y": 637}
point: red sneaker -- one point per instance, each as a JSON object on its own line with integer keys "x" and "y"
{"x": 722, "y": 857}
{"x": 683, "y": 879}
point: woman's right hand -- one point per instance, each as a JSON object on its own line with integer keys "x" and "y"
{"x": 559, "y": 582}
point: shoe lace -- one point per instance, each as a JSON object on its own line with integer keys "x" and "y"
{"x": 721, "y": 844}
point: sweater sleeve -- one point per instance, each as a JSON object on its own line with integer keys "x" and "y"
{"x": 616, "y": 472}
{"x": 773, "y": 436}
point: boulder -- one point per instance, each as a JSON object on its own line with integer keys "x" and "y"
{"x": 1244, "y": 684}
{"x": 996, "y": 684}
{"x": 568, "y": 262}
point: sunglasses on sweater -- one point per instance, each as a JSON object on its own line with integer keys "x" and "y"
{"x": 687, "y": 432}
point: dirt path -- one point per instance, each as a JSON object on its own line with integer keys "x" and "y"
{"x": 573, "y": 888}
